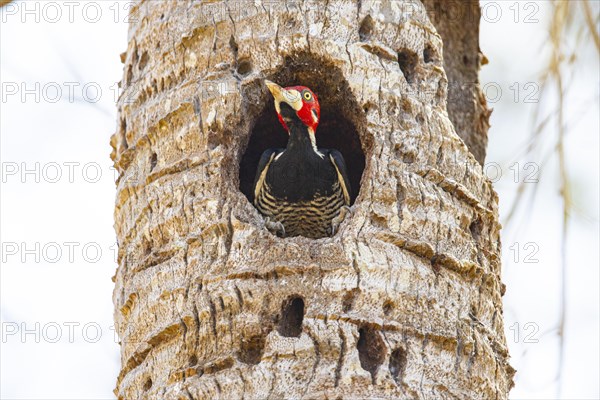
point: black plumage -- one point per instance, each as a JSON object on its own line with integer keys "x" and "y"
{"x": 301, "y": 189}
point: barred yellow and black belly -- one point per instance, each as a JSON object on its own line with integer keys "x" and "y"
{"x": 301, "y": 188}
{"x": 309, "y": 218}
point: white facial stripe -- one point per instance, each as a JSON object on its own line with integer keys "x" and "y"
{"x": 313, "y": 141}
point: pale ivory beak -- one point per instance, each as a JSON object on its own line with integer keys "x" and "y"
{"x": 291, "y": 97}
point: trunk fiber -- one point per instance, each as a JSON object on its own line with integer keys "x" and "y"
{"x": 404, "y": 302}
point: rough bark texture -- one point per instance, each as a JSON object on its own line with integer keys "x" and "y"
{"x": 405, "y": 300}
{"x": 457, "y": 22}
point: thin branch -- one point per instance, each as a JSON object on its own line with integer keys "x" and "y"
{"x": 589, "y": 19}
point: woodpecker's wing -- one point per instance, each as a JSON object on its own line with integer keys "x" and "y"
{"x": 340, "y": 166}
{"x": 262, "y": 169}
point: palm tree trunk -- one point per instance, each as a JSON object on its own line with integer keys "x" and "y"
{"x": 403, "y": 302}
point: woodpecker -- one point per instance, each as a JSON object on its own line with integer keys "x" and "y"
{"x": 301, "y": 190}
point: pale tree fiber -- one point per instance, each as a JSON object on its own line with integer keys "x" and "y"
{"x": 404, "y": 302}
{"x": 457, "y": 22}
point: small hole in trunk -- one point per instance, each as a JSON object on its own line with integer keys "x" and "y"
{"x": 292, "y": 315}
{"x": 366, "y": 28}
{"x": 371, "y": 350}
{"x": 407, "y": 60}
{"x": 252, "y": 349}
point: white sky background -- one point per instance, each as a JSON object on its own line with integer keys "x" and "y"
{"x": 63, "y": 358}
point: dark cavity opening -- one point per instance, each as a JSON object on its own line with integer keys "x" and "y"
{"x": 292, "y": 315}
{"x": 193, "y": 360}
{"x": 366, "y": 28}
{"x": 398, "y": 365}
{"x": 407, "y": 60}
{"x": 429, "y": 54}
{"x": 341, "y": 127}
{"x": 148, "y": 384}
{"x": 252, "y": 349}
{"x": 143, "y": 61}
{"x": 244, "y": 67}
{"x": 371, "y": 350}
{"x": 153, "y": 161}
{"x": 388, "y": 306}
{"x": 475, "y": 228}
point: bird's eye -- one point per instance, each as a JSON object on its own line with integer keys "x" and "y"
{"x": 307, "y": 96}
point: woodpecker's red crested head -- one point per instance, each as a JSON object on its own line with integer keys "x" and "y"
{"x": 300, "y": 99}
